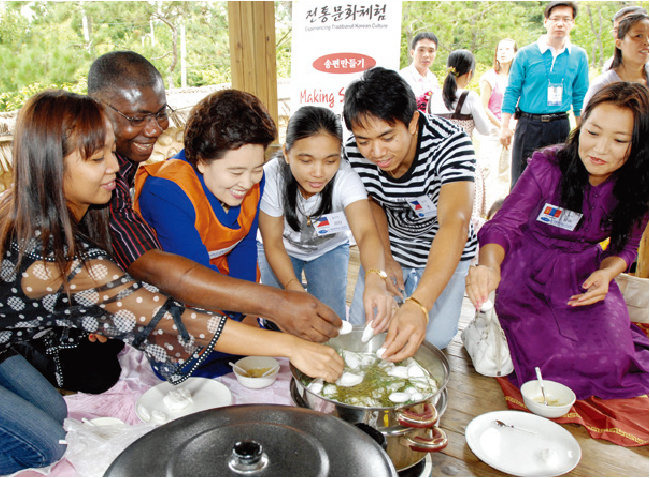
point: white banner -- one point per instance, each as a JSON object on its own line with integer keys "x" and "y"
{"x": 334, "y": 42}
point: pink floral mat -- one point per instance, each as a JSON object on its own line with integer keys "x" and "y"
{"x": 136, "y": 378}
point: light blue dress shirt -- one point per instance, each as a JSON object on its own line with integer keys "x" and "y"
{"x": 535, "y": 68}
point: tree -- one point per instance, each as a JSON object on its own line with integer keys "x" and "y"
{"x": 52, "y": 44}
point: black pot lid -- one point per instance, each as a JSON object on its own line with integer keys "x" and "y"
{"x": 254, "y": 440}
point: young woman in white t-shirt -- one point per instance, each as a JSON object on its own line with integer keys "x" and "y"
{"x": 464, "y": 107}
{"x": 309, "y": 196}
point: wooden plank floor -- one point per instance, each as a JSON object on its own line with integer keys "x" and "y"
{"x": 471, "y": 394}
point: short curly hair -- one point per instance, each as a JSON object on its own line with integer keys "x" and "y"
{"x": 225, "y": 121}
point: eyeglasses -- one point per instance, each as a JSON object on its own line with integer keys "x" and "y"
{"x": 561, "y": 19}
{"x": 161, "y": 116}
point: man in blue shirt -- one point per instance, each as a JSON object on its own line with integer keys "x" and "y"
{"x": 547, "y": 79}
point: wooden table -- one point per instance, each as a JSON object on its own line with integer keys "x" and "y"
{"x": 471, "y": 394}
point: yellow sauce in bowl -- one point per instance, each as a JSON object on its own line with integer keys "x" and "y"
{"x": 551, "y": 402}
{"x": 255, "y": 372}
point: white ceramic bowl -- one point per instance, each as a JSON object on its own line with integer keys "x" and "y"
{"x": 257, "y": 362}
{"x": 560, "y": 398}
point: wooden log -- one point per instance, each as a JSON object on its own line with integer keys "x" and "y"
{"x": 251, "y": 26}
{"x": 642, "y": 258}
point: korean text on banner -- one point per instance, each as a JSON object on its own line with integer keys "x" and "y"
{"x": 334, "y": 42}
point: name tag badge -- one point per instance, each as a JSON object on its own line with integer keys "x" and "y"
{"x": 423, "y": 206}
{"x": 559, "y": 217}
{"x": 331, "y": 223}
{"x": 554, "y": 95}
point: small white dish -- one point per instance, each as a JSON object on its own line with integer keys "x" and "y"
{"x": 522, "y": 444}
{"x": 560, "y": 398}
{"x": 205, "y": 393}
{"x": 254, "y": 362}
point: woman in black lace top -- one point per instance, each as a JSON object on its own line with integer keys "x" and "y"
{"x": 57, "y": 269}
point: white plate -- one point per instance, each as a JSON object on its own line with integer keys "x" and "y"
{"x": 205, "y": 394}
{"x": 536, "y": 447}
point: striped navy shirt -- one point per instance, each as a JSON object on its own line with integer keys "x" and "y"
{"x": 444, "y": 155}
{"x": 130, "y": 234}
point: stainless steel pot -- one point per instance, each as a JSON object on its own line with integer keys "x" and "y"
{"x": 254, "y": 440}
{"x": 411, "y": 431}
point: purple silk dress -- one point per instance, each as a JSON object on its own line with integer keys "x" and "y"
{"x": 593, "y": 349}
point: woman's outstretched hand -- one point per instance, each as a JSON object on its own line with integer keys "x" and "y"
{"x": 596, "y": 286}
{"x": 480, "y": 281}
{"x": 316, "y": 360}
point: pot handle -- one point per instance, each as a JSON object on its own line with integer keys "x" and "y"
{"x": 427, "y": 444}
{"x": 427, "y": 418}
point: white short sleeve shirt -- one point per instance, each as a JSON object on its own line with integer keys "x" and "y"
{"x": 306, "y": 244}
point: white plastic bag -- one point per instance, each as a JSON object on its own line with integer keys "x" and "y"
{"x": 635, "y": 293}
{"x": 92, "y": 445}
{"x": 486, "y": 344}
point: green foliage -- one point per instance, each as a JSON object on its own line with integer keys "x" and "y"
{"x": 478, "y": 26}
{"x": 10, "y": 101}
{"x": 52, "y": 44}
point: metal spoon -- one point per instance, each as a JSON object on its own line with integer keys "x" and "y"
{"x": 271, "y": 371}
{"x": 241, "y": 371}
{"x": 501, "y": 424}
{"x": 538, "y": 372}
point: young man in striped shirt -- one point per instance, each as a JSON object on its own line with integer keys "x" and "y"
{"x": 418, "y": 171}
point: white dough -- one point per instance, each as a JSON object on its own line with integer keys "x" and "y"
{"x": 346, "y": 328}
{"x": 329, "y": 390}
{"x": 415, "y": 371}
{"x": 316, "y": 386}
{"x": 380, "y": 351}
{"x": 368, "y": 332}
{"x": 349, "y": 379}
{"x": 398, "y": 397}
{"x": 352, "y": 359}
{"x": 399, "y": 372}
{"x": 177, "y": 399}
{"x": 417, "y": 396}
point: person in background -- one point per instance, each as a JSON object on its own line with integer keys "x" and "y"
{"x": 616, "y": 19}
{"x": 418, "y": 74}
{"x": 55, "y": 244}
{"x": 547, "y": 79}
{"x": 311, "y": 202}
{"x": 493, "y": 157}
{"x": 556, "y": 297}
{"x": 418, "y": 171}
{"x": 463, "y": 107}
{"x": 630, "y": 55}
{"x": 133, "y": 92}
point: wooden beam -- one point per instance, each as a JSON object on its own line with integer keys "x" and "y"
{"x": 252, "y": 51}
{"x": 642, "y": 259}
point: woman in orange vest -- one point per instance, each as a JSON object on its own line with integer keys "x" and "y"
{"x": 203, "y": 203}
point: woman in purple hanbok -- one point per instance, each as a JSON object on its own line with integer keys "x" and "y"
{"x": 556, "y": 297}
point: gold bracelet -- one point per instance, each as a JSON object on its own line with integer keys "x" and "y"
{"x": 419, "y": 304}
{"x": 379, "y": 272}
{"x": 290, "y": 281}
